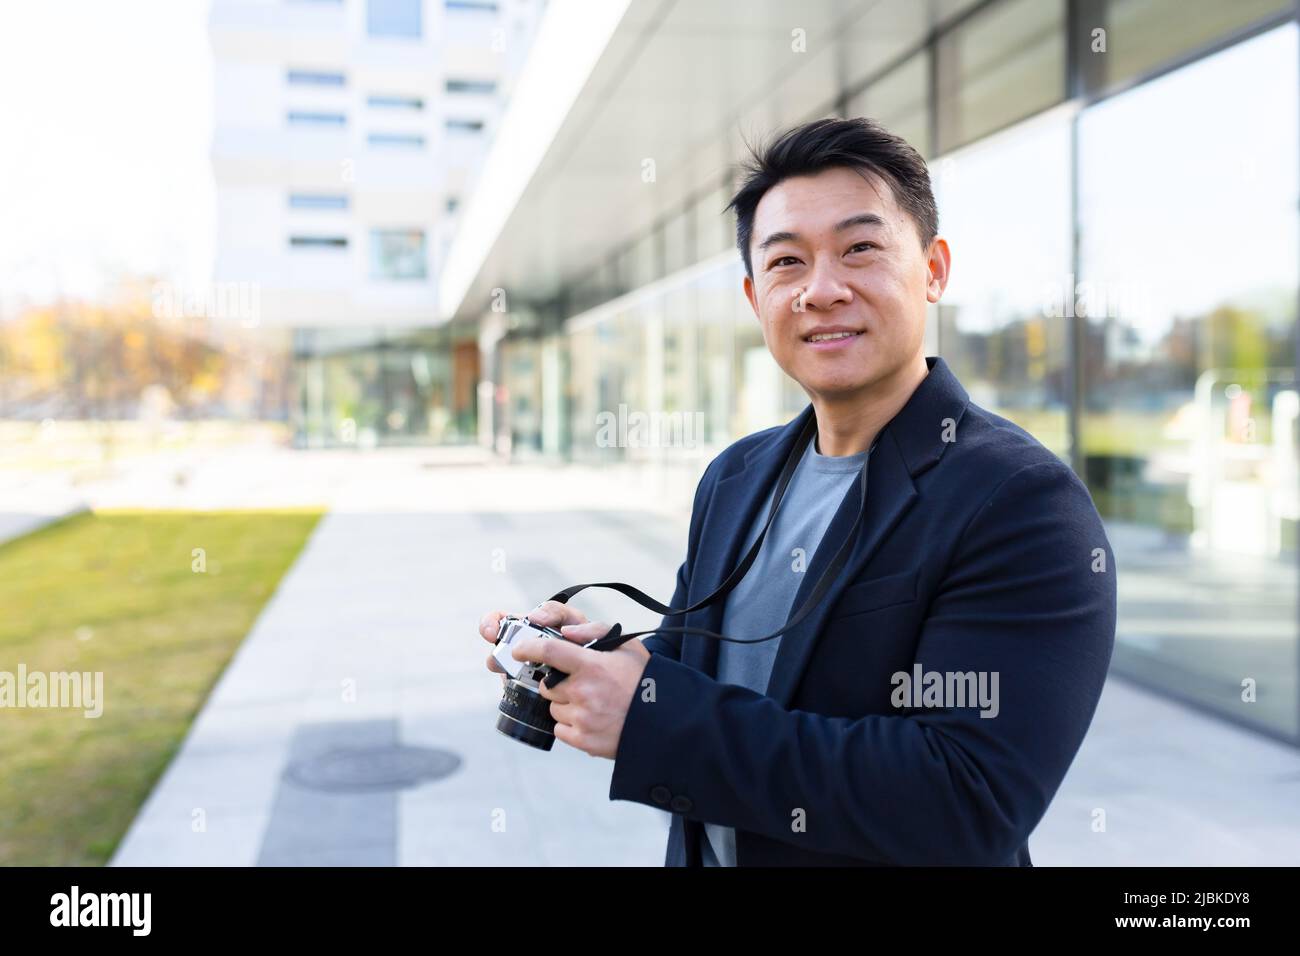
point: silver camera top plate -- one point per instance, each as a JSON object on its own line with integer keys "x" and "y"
{"x": 511, "y": 631}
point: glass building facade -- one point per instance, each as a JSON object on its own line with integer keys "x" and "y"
{"x": 1119, "y": 181}
{"x": 367, "y": 387}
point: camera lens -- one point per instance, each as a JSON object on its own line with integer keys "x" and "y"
{"x": 526, "y": 716}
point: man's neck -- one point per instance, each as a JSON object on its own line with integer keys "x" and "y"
{"x": 846, "y": 426}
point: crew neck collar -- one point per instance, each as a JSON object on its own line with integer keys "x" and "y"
{"x": 833, "y": 463}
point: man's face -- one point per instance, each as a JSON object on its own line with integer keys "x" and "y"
{"x": 834, "y": 253}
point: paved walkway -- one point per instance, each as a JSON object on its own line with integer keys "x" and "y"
{"x": 29, "y": 501}
{"x": 371, "y": 642}
{"x": 368, "y": 652}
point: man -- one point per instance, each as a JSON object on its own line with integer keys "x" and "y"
{"x": 927, "y": 708}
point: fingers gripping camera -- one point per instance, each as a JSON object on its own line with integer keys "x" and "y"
{"x": 525, "y": 715}
{"x": 511, "y": 631}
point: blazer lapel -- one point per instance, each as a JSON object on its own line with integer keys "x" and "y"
{"x": 732, "y": 511}
{"x": 911, "y": 443}
{"x": 890, "y": 492}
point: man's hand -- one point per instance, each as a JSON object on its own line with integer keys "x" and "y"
{"x": 590, "y": 705}
{"x": 548, "y": 614}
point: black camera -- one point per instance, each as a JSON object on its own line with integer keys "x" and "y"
{"x": 525, "y": 714}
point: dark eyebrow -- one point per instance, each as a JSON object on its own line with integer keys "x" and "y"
{"x": 861, "y": 219}
{"x": 776, "y": 237}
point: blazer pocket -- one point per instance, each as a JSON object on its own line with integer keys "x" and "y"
{"x": 875, "y": 594}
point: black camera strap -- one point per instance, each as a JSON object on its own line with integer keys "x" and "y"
{"x": 614, "y": 638}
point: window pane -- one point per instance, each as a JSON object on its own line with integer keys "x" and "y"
{"x": 683, "y": 426}
{"x": 882, "y": 32}
{"x": 318, "y": 242}
{"x": 898, "y": 101}
{"x": 1004, "y": 64}
{"x": 1004, "y": 206}
{"x": 399, "y": 140}
{"x": 317, "y": 201}
{"x": 1140, "y": 35}
{"x": 672, "y": 351}
{"x": 305, "y": 118}
{"x": 456, "y": 126}
{"x": 715, "y": 231}
{"x": 374, "y": 388}
{"x": 314, "y": 78}
{"x": 640, "y": 263}
{"x": 393, "y": 18}
{"x": 677, "y": 245}
{"x": 397, "y": 254}
{"x": 1188, "y": 270}
{"x": 395, "y": 102}
{"x": 487, "y": 87}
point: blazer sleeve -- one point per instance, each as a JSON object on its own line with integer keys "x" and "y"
{"x": 1022, "y": 597}
{"x": 670, "y": 645}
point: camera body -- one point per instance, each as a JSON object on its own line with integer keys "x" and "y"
{"x": 525, "y": 715}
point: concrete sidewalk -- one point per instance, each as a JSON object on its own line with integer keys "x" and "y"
{"x": 363, "y": 679}
{"x": 376, "y": 625}
{"x": 28, "y": 502}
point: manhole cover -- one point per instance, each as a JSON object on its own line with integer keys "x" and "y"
{"x": 372, "y": 768}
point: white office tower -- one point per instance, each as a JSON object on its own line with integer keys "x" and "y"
{"x": 347, "y": 135}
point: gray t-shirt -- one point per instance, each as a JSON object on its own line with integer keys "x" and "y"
{"x": 763, "y": 600}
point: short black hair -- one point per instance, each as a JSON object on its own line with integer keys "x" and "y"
{"x": 858, "y": 143}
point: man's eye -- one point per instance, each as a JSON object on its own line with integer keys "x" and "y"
{"x": 862, "y": 246}
{"x": 783, "y": 260}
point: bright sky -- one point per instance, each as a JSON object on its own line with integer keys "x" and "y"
{"x": 104, "y": 165}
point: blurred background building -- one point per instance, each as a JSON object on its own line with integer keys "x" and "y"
{"x": 1118, "y": 180}
{"x": 347, "y": 135}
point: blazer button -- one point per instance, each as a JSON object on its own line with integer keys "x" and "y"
{"x": 682, "y": 804}
{"x": 660, "y": 794}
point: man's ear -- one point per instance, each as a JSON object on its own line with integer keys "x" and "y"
{"x": 752, "y": 296}
{"x": 940, "y": 261}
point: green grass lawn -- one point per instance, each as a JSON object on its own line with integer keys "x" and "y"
{"x": 115, "y": 592}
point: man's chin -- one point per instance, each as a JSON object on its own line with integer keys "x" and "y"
{"x": 849, "y": 380}
{"x": 838, "y": 388}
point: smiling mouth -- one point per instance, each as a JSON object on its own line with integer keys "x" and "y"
{"x": 830, "y": 336}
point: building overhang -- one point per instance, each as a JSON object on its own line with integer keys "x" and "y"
{"x": 612, "y": 86}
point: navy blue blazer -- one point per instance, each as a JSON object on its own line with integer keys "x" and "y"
{"x": 981, "y": 551}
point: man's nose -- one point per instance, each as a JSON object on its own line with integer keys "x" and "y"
{"x": 824, "y": 289}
